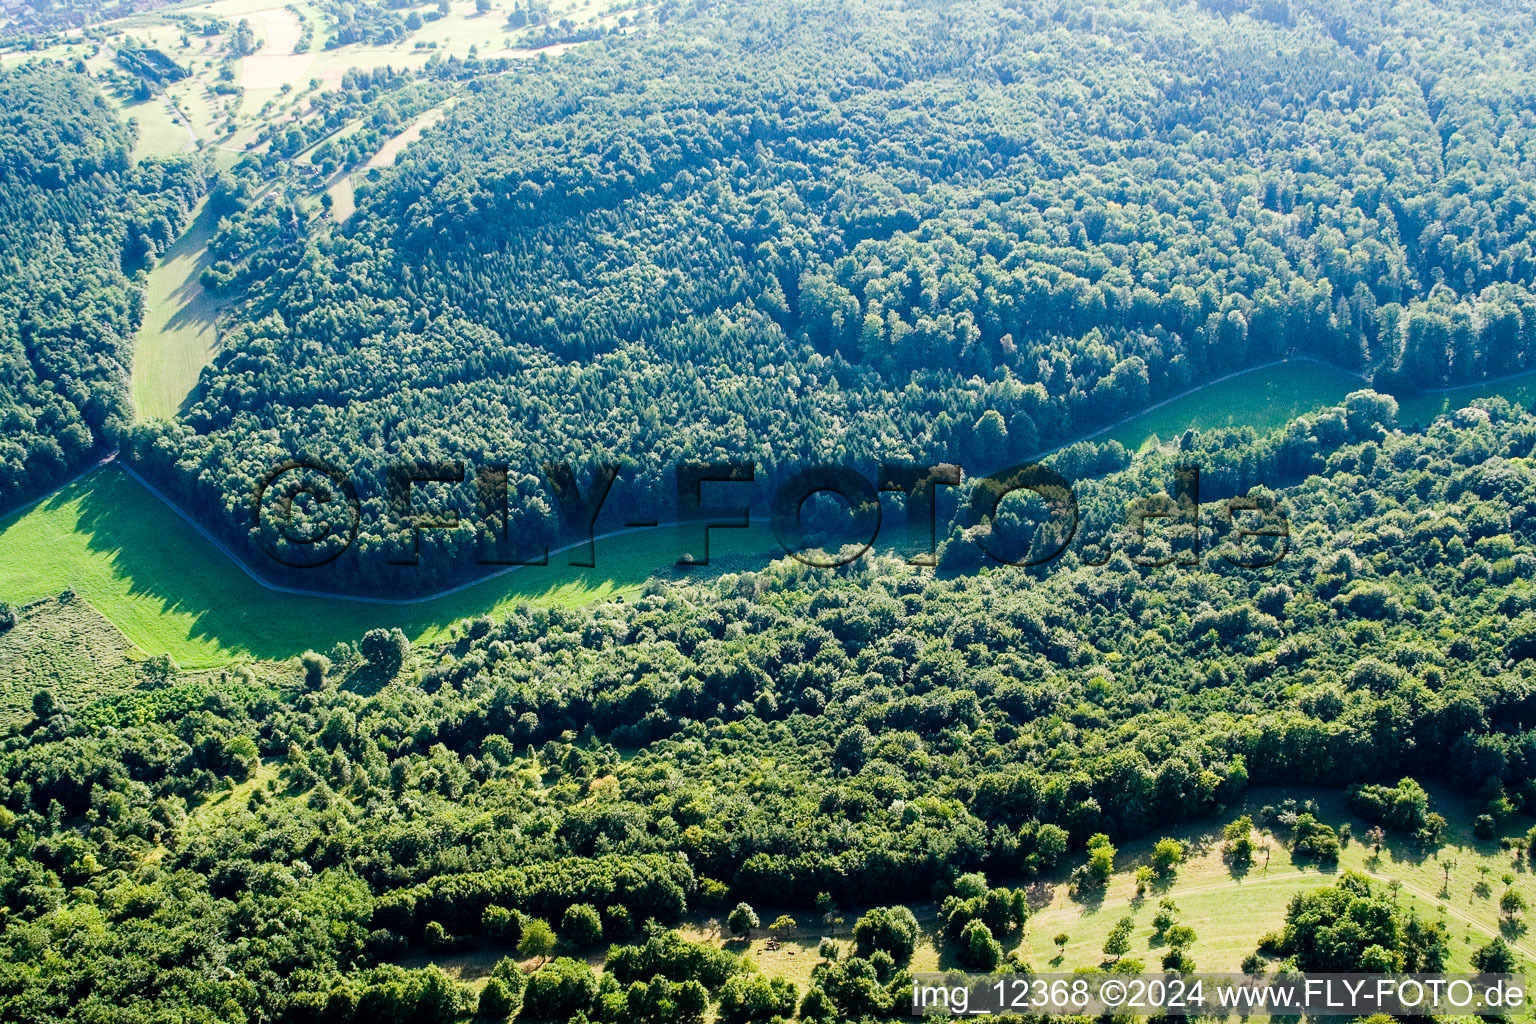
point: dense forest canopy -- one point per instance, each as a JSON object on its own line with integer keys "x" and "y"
{"x": 77, "y": 222}
{"x": 865, "y": 232}
{"x": 857, "y": 233}
{"x": 874, "y": 734}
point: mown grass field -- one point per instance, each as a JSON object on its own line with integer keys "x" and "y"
{"x": 1230, "y": 910}
{"x": 1263, "y": 399}
{"x": 177, "y": 337}
{"x": 169, "y": 591}
{"x": 1272, "y": 396}
{"x": 158, "y": 132}
{"x": 1424, "y": 408}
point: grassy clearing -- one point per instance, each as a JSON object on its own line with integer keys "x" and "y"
{"x": 1424, "y": 408}
{"x": 158, "y": 132}
{"x": 1273, "y": 396}
{"x": 178, "y": 336}
{"x": 1230, "y": 910}
{"x": 207, "y": 816}
{"x": 343, "y": 189}
{"x": 171, "y": 592}
{"x": 799, "y": 948}
{"x": 68, "y": 648}
{"x": 1262, "y": 399}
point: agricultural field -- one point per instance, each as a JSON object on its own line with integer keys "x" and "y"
{"x": 229, "y": 100}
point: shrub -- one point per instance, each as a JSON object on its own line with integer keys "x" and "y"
{"x": 1101, "y": 858}
{"x": 1494, "y": 958}
{"x": 1314, "y": 839}
{"x": 978, "y": 950}
{"x": 497, "y": 1000}
{"x": 1237, "y": 840}
{"x": 315, "y": 668}
{"x": 501, "y": 923}
{"x": 893, "y": 929}
{"x": 1167, "y": 854}
{"x": 559, "y": 990}
{"x": 538, "y": 939}
{"x": 1118, "y": 942}
{"x": 754, "y": 997}
{"x": 384, "y": 650}
{"x": 582, "y": 926}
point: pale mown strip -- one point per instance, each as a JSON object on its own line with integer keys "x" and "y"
{"x": 178, "y": 336}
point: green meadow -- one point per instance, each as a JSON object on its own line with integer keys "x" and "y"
{"x": 1457, "y": 883}
{"x": 169, "y": 591}
{"x": 1424, "y": 408}
{"x": 178, "y": 336}
{"x": 1271, "y": 396}
{"x": 1262, "y": 398}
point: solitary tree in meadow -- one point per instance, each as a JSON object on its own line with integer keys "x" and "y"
{"x": 1167, "y": 854}
{"x": 1118, "y": 942}
{"x": 742, "y": 920}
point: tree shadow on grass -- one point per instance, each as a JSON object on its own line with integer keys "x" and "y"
{"x": 1321, "y": 865}
{"x": 150, "y": 562}
{"x": 1406, "y": 850}
{"x": 1039, "y": 893}
{"x": 1091, "y": 899}
{"x": 154, "y": 555}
